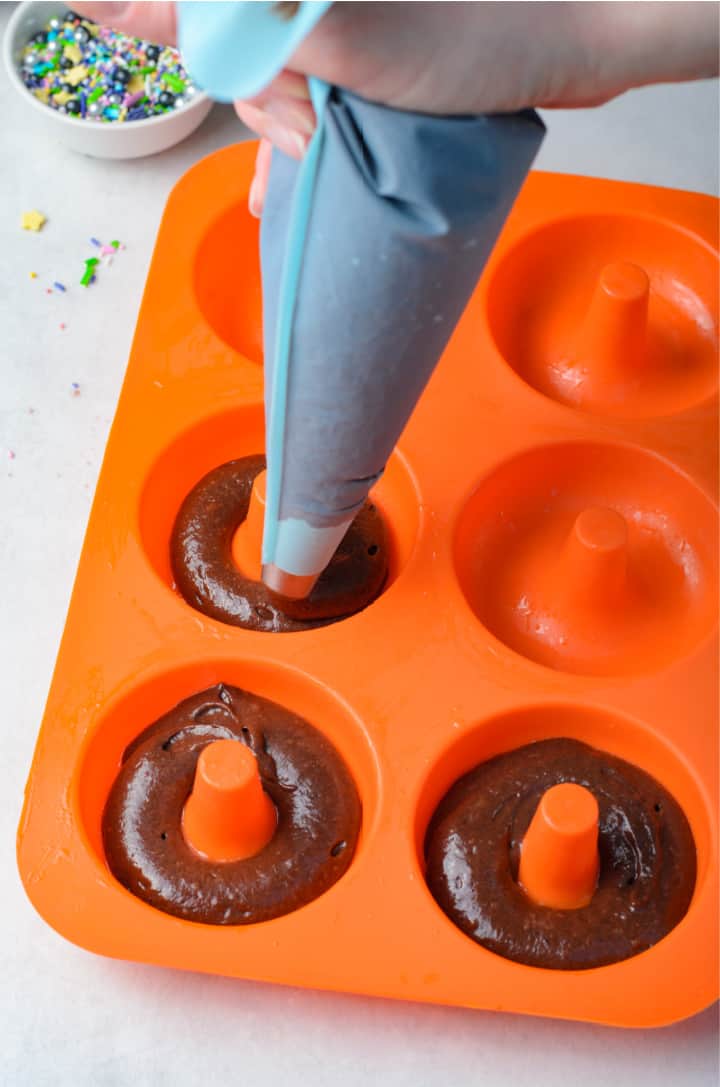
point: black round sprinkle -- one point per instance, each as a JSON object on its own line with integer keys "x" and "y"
{"x": 166, "y": 99}
{"x": 152, "y": 52}
{"x": 39, "y": 39}
{"x": 65, "y": 62}
{"x": 121, "y": 75}
{"x": 72, "y": 105}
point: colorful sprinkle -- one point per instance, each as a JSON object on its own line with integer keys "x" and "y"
{"x": 63, "y": 326}
{"x": 89, "y": 274}
{"x": 97, "y": 74}
{"x": 32, "y": 220}
{"x": 33, "y": 275}
{"x": 75, "y": 389}
{"x": 59, "y": 287}
{"x": 95, "y": 242}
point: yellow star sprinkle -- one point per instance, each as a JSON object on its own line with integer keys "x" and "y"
{"x": 73, "y": 53}
{"x": 33, "y": 220}
{"x": 75, "y": 75}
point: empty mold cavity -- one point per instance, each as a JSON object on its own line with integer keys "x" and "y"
{"x": 616, "y": 315}
{"x": 590, "y": 558}
{"x": 605, "y": 731}
{"x": 240, "y": 432}
{"x": 227, "y": 283}
{"x": 151, "y": 696}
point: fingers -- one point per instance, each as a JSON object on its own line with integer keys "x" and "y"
{"x": 282, "y": 113}
{"x": 258, "y": 188}
{"x": 287, "y": 100}
{"x": 291, "y": 113}
{"x": 283, "y": 116}
{"x": 285, "y": 85}
{"x": 286, "y": 138}
{"x": 155, "y": 22}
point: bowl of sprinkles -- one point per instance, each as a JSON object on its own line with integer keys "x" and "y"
{"x": 99, "y": 91}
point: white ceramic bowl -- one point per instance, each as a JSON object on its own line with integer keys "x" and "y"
{"x": 128, "y": 140}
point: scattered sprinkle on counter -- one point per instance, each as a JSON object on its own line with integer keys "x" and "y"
{"x": 88, "y": 276}
{"x": 33, "y": 220}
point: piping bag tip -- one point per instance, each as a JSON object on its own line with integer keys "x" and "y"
{"x": 298, "y": 554}
{"x": 291, "y": 586}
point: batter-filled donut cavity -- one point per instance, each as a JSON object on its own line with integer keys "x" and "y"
{"x": 208, "y": 578}
{"x": 646, "y": 854}
{"x": 317, "y": 804}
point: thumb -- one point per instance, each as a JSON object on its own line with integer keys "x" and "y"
{"x": 155, "y": 22}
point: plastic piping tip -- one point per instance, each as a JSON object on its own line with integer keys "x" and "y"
{"x": 247, "y": 541}
{"x": 614, "y": 333}
{"x": 299, "y": 555}
{"x": 292, "y": 586}
{"x": 559, "y": 859}
{"x": 228, "y": 815}
{"x": 594, "y": 563}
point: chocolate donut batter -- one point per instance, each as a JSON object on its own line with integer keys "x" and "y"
{"x": 647, "y": 858}
{"x": 210, "y": 581}
{"x": 316, "y": 800}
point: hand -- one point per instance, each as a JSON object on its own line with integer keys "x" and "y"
{"x": 461, "y": 58}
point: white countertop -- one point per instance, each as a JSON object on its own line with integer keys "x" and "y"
{"x": 67, "y": 1017}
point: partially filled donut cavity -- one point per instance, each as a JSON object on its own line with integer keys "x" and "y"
{"x": 561, "y": 855}
{"x": 201, "y": 523}
{"x": 208, "y": 576}
{"x": 230, "y": 810}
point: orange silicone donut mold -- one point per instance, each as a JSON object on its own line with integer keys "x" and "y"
{"x": 595, "y": 559}
{"x": 430, "y": 678}
{"x": 236, "y": 318}
{"x": 612, "y": 314}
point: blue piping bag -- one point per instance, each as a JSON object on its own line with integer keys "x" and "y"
{"x": 370, "y": 250}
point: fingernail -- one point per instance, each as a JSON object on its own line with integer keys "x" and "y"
{"x": 254, "y": 202}
{"x": 290, "y": 143}
{"x": 290, "y": 117}
{"x": 304, "y": 122}
{"x": 299, "y": 142}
